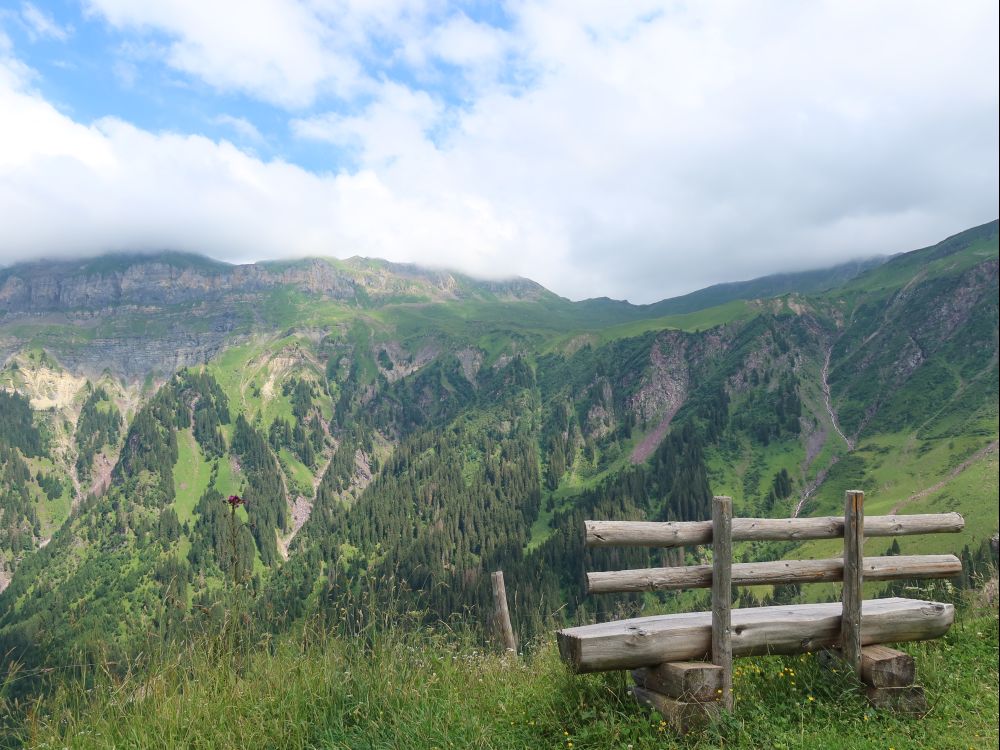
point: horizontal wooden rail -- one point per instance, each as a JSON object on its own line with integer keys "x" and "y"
{"x": 682, "y": 533}
{"x": 887, "y": 568}
{"x": 789, "y": 629}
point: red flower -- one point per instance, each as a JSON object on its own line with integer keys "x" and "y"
{"x": 235, "y": 500}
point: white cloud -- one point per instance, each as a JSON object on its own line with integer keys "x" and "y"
{"x": 285, "y": 52}
{"x": 656, "y": 149}
{"x": 40, "y": 25}
{"x": 276, "y": 50}
{"x": 459, "y": 41}
{"x": 69, "y": 189}
{"x": 245, "y": 129}
{"x": 659, "y": 152}
{"x": 394, "y": 127}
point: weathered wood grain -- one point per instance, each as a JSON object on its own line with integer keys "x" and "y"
{"x": 722, "y": 592}
{"x": 681, "y": 716}
{"x": 790, "y": 629}
{"x": 681, "y": 533}
{"x": 683, "y": 680}
{"x": 501, "y": 615}
{"x": 852, "y": 593}
{"x": 773, "y": 573}
{"x": 905, "y": 700}
{"x": 882, "y": 666}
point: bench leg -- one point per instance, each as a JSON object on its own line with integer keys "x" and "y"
{"x": 686, "y": 694}
{"x": 695, "y": 681}
{"x": 681, "y": 716}
{"x": 888, "y": 677}
{"x": 903, "y": 700}
{"x": 886, "y": 667}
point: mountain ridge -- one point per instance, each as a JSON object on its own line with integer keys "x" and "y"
{"x": 36, "y": 285}
{"x": 49, "y": 286}
{"x": 386, "y": 435}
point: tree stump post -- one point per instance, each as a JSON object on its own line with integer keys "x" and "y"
{"x": 501, "y": 615}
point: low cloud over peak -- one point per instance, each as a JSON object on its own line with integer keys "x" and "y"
{"x": 633, "y": 151}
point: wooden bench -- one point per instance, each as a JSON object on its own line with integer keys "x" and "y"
{"x": 668, "y": 653}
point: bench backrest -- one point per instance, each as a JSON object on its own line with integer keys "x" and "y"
{"x": 852, "y": 569}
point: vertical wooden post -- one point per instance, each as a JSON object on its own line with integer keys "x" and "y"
{"x": 501, "y": 614}
{"x": 722, "y": 581}
{"x": 854, "y": 543}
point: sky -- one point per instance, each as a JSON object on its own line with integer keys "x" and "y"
{"x": 636, "y": 150}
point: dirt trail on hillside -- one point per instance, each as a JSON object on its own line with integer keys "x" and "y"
{"x": 977, "y": 456}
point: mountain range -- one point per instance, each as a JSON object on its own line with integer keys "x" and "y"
{"x": 385, "y": 422}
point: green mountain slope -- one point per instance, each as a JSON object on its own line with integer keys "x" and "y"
{"x": 420, "y": 427}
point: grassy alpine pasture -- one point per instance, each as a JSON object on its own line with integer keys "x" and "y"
{"x": 191, "y": 476}
{"x": 900, "y": 473}
{"x": 400, "y": 687}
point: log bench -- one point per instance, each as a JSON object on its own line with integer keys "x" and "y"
{"x": 682, "y": 663}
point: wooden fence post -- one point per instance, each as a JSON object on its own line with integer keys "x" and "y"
{"x": 854, "y": 542}
{"x": 722, "y": 561}
{"x": 501, "y": 615}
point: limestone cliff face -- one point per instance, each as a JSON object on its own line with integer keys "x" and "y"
{"x": 64, "y": 287}
{"x": 172, "y": 278}
{"x": 135, "y": 315}
{"x": 135, "y": 357}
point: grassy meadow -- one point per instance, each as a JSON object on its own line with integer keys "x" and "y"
{"x": 398, "y": 686}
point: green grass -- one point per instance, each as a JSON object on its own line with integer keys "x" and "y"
{"x": 229, "y": 370}
{"x": 891, "y": 468}
{"x": 298, "y": 473}
{"x": 727, "y": 471}
{"x": 573, "y": 483}
{"x": 228, "y": 482}
{"x": 700, "y": 320}
{"x": 410, "y": 688}
{"x": 191, "y": 475}
{"x": 51, "y": 513}
{"x": 47, "y": 334}
{"x": 894, "y": 467}
{"x": 950, "y": 256}
{"x": 245, "y": 374}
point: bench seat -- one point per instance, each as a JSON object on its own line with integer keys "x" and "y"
{"x": 784, "y": 629}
